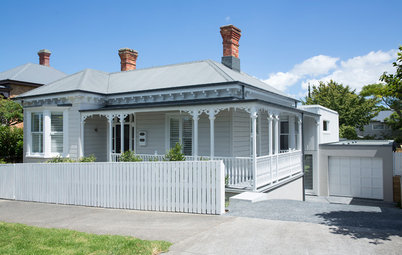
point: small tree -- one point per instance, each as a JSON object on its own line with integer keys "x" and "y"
{"x": 354, "y": 110}
{"x": 347, "y": 132}
{"x": 11, "y": 144}
{"x": 175, "y": 153}
{"x": 389, "y": 94}
{"x": 10, "y": 112}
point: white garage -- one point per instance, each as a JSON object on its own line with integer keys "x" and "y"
{"x": 356, "y": 177}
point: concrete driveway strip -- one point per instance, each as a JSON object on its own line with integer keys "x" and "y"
{"x": 200, "y": 234}
{"x": 172, "y": 227}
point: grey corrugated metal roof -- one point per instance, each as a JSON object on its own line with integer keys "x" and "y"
{"x": 360, "y": 142}
{"x": 382, "y": 115}
{"x": 162, "y": 77}
{"x": 32, "y": 73}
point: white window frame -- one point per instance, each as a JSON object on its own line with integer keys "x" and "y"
{"x": 167, "y": 129}
{"x": 46, "y": 113}
{"x": 382, "y": 124}
{"x": 36, "y": 132}
{"x": 328, "y": 122}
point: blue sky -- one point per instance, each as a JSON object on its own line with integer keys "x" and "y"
{"x": 285, "y": 43}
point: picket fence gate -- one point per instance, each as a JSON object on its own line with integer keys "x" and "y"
{"x": 186, "y": 186}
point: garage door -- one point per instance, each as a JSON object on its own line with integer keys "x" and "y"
{"x": 356, "y": 177}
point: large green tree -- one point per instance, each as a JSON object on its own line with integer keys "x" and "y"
{"x": 389, "y": 94}
{"x": 10, "y": 112}
{"x": 354, "y": 110}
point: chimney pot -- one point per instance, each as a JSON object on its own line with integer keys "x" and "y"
{"x": 44, "y": 57}
{"x": 128, "y": 59}
{"x": 230, "y": 40}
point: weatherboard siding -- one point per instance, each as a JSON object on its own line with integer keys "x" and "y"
{"x": 241, "y": 133}
{"x": 154, "y": 124}
{"x": 95, "y": 138}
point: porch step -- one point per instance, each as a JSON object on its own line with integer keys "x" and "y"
{"x": 247, "y": 196}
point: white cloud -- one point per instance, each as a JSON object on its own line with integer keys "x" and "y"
{"x": 362, "y": 70}
{"x": 355, "y": 72}
{"x": 316, "y": 65}
{"x": 282, "y": 80}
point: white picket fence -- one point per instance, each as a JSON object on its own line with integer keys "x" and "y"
{"x": 186, "y": 186}
{"x": 397, "y": 163}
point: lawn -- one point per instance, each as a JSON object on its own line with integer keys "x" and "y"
{"x": 23, "y": 239}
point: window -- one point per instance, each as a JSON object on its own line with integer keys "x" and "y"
{"x": 46, "y": 136}
{"x": 56, "y": 132}
{"x": 325, "y": 125}
{"x": 181, "y": 131}
{"x": 378, "y": 126}
{"x": 37, "y": 132}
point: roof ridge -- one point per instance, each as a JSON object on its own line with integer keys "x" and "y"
{"x": 84, "y": 75}
{"x": 219, "y": 70}
{"x": 154, "y": 67}
{"x": 24, "y": 67}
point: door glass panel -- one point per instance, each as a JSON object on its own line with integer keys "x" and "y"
{"x": 126, "y": 137}
{"x": 308, "y": 172}
{"x": 118, "y": 141}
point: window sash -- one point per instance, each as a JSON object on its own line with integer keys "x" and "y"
{"x": 181, "y": 131}
{"x": 37, "y": 132}
{"x": 56, "y": 132}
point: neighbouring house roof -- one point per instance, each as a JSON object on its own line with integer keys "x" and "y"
{"x": 382, "y": 115}
{"x": 162, "y": 77}
{"x": 32, "y": 73}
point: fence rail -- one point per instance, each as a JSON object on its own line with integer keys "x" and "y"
{"x": 188, "y": 186}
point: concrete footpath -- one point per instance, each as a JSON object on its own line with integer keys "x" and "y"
{"x": 201, "y": 234}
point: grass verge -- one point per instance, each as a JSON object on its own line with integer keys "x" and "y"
{"x": 23, "y": 239}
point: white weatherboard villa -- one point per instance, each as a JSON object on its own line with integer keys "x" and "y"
{"x": 213, "y": 109}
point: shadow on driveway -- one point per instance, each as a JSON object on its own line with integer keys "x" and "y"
{"x": 375, "y": 226}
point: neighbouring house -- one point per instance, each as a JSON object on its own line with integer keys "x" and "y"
{"x": 213, "y": 109}
{"x": 377, "y": 128}
{"x": 29, "y": 76}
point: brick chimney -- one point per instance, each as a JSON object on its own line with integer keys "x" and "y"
{"x": 230, "y": 40}
{"x": 128, "y": 59}
{"x": 44, "y": 57}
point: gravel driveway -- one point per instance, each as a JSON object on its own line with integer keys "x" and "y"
{"x": 371, "y": 219}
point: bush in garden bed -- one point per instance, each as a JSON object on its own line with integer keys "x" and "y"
{"x": 59, "y": 159}
{"x": 129, "y": 156}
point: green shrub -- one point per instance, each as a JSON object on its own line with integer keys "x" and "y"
{"x": 175, "y": 154}
{"x": 129, "y": 156}
{"x": 59, "y": 159}
{"x": 90, "y": 158}
{"x": 11, "y": 144}
{"x": 2, "y": 161}
{"x": 347, "y": 132}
